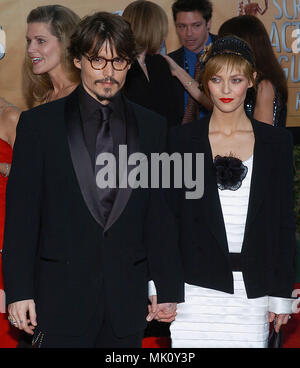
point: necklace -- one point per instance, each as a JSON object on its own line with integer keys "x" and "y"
{"x": 141, "y": 61}
{"x": 144, "y": 68}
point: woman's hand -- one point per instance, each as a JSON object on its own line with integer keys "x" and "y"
{"x": 189, "y": 83}
{"x": 281, "y": 319}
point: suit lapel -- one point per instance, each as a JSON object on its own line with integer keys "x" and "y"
{"x": 80, "y": 156}
{"x": 178, "y": 57}
{"x": 132, "y": 141}
{"x": 210, "y": 200}
{"x": 262, "y": 159}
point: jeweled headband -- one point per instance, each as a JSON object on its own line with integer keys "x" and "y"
{"x": 231, "y": 45}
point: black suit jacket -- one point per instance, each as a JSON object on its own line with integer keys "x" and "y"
{"x": 178, "y": 56}
{"x": 56, "y": 249}
{"x": 267, "y": 257}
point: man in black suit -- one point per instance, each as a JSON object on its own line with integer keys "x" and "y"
{"x": 193, "y": 21}
{"x": 77, "y": 257}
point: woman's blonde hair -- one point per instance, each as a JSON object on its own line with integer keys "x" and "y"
{"x": 62, "y": 22}
{"x": 230, "y": 62}
{"x": 149, "y": 24}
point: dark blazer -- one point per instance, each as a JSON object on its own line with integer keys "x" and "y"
{"x": 156, "y": 94}
{"x": 269, "y": 242}
{"x": 56, "y": 249}
{"x": 178, "y": 56}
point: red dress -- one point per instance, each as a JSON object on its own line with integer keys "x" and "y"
{"x": 8, "y": 334}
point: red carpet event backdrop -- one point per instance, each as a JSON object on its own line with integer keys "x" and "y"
{"x": 281, "y": 18}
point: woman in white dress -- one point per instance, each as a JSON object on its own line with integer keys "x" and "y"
{"x": 238, "y": 240}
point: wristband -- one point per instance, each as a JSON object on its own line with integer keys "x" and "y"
{"x": 189, "y": 83}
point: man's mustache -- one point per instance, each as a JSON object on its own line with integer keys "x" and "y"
{"x": 107, "y": 80}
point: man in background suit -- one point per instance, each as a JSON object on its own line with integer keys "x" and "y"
{"x": 193, "y": 21}
{"x": 77, "y": 258}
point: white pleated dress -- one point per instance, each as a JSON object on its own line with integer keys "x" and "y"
{"x": 214, "y": 319}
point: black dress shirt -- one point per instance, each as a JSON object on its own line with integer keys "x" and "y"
{"x": 91, "y": 123}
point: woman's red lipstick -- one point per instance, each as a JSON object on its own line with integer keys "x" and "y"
{"x": 226, "y": 100}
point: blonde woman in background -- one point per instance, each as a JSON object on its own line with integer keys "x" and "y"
{"x": 149, "y": 81}
{"x": 48, "y": 71}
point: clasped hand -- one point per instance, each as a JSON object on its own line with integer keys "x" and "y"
{"x": 19, "y": 313}
{"x": 281, "y": 319}
{"x": 163, "y": 312}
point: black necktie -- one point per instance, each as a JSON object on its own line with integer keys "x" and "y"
{"x": 104, "y": 144}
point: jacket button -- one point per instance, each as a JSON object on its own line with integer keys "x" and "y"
{"x": 196, "y": 220}
{"x": 105, "y": 234}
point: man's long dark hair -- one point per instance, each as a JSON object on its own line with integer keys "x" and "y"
{"x": 253, "y": 31}
{"x": 94, "y": 30}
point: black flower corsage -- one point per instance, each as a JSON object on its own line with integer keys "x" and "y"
{"x": 230, "y": 172}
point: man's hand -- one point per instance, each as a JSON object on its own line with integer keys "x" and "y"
{"x": 164, "y": 312}
{"x": 281, "y": 319}
{"x": 18, "y": 315}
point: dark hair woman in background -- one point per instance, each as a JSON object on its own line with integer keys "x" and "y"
{"x": 268, "y": 102}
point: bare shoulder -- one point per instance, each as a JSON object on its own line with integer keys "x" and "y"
{"x": 9, "y": 118}
{"x": 8, "y": 108}
{"x": 266, "y": 87}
